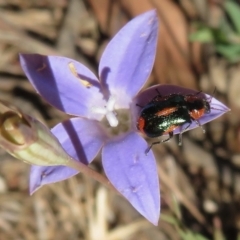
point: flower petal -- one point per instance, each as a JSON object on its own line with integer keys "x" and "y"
{"x": 65, "y": 83}
{"x": 217, "y": 108}
{"x": 81, "y": 139}
{"x": 128, "y": 59}
{"x": 133, "y": 173}
{"x": 43, "y": 175}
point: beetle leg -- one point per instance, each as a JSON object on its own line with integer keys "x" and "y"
{"x": 200, "y": 125}
{"x": 158, "y": 142}
{"x": 181, "y": 133}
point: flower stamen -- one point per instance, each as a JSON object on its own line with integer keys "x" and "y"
{"x": 112, "y": 119}
{"x": 74, "y": 72}
{"x": 111, "y": 102}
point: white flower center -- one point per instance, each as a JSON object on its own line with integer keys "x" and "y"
{"x": 108, "y": 111}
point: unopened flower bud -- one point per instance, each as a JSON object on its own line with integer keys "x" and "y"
{"x": 28, "y": 139}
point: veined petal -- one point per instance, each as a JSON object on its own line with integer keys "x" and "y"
{"x": 128, "y": 58}
{"x": 82, "y": 139}
{"x": 133, "y": 173}
{"x": 64, "y": 83}
{"x": 217, "y": 108}
{"x": 43, "y": 175}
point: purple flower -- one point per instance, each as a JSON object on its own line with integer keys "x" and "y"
{"x": 102, "y": 107}
{"x": 107, "y": 113}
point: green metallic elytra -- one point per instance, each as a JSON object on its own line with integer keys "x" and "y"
{"x": 156, "y": 125}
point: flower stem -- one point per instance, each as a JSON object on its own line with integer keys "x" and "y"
{"x": 91, "y": 173}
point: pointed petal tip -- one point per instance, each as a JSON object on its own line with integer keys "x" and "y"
{"x": 152, "y": 13}
{"x": 32, "y": 189}
{"x": 149, "y": 13}
{"x": 141, "y": 191}
{"x": 22, "y": 59}
{"x": 26, "y": 56}
{"x": 155, "y": 221}
{"x": 22, "y": 54}
{"x": 41, "y": 175}
{"x": 153, "y": 216}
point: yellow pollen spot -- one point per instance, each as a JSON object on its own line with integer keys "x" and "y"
{"x": 74, "y": 72}
{"x": 42, "y": 67}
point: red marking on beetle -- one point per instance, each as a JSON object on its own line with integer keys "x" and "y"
{"x": 141, "y": 124}
{"x": 196, "y": 114}
{"x": 166, "y": 111}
